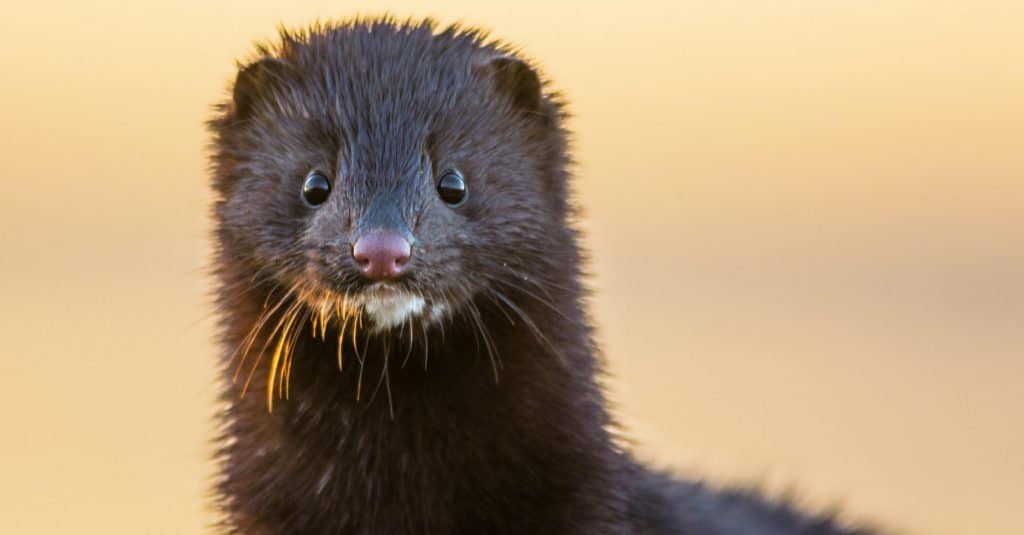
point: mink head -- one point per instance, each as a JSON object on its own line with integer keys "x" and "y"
{"x": 390, "y": 172}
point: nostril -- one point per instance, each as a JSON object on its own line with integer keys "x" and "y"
{"x": 360, "y": 256}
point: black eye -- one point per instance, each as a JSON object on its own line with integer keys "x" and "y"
{"x": 316, "y": 189}
{"x": 452, "y": 188}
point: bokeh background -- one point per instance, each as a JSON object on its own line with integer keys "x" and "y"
{"x": 806, "y": 219}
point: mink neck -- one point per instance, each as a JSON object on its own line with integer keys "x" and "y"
{"x": 432, "y": 415}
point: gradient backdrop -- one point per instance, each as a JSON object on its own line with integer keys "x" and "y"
{"x": 806, "y": 218}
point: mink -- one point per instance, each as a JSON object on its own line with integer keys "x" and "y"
{"x": 406, "y": 346}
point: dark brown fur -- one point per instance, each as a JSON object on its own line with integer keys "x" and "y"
{"x": 487, "y": 421}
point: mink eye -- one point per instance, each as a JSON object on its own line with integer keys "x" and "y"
{"x": 452, "y": 188}
{"x": 316, "y": 189}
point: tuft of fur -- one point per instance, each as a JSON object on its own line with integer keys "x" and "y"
{"x": 461, "y": 398}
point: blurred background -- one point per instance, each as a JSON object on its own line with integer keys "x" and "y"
{"x": 806, "y": 220}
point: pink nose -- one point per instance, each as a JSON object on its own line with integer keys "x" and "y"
{"x": 382, "y": 255}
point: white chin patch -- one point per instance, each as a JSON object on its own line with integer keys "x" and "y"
{"x": 391, "y": 309}
{"x": 383, "y": 307}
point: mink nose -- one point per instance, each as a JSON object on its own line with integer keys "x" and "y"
{"x": 382, "y": 255}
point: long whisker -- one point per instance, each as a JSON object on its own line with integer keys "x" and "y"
{"x": 493, "y": 295}
{"x": 527, "y": 321}
{"x": 247, "y": 285}
{"x": 446, "y": 298}
{"x": 254, "y": 332}
{"x": 324, "y": 316}
{"x": 488, "y": 342}
{"x": 289, "y": 359}
{"x": 537, "y": 280}
{"x": 387, "y": 387}
{"x": 277, "y": 358}
{"x": 426, "y": 346}
{"x": 412, "y": 332}
{"x": 341, "y": 341}
{"x": 263, "y": 350}
{"x": 359, "y": 381}
{"x": 383, "y": 371}
{"x": 356, "y": 326}
{"x": 536, "y": 297}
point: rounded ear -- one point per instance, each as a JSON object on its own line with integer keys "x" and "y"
{"x": 253, "y": 83}
{"x": 518, "y": 82}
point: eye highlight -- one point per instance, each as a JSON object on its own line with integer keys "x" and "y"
{"x": 316, "y": 188}
{"x": 452, "y": 188}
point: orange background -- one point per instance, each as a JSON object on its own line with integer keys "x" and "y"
{"x": 806, "y": 218}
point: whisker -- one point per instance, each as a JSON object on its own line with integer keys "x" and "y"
{"x": 493, "y": 294}
{"x": 536, "y": 297}
{"x": 426, "y": 346}
{"x": 488, "y": 341}
{"x": 357, "y": 325}
{"x": 341, "y": 341}
{"x": 254, "y": 332}
{"x": 383, "y": 376}
{"x": 528, "y": 321}
{"x": 387, "y": 388}
{"x": 289, "y": 359}
{"x": 324, "y": 313}
{"x": 408, "y": 350}
{"x": 277, "y": 358}
{"x": 263, "y": 350}
{"x": 359, "y": 381}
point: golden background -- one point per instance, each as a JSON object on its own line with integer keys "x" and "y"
{"x": 806, "y": 217}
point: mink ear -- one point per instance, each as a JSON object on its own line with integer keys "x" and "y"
{"x": 252, "y": 84}
{"x": 517, "y": 81}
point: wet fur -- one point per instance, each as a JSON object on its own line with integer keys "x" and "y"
{"x": 485, "y": 417}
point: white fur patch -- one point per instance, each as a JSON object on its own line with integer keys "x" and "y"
{"x": 437, "y": 312}
{"x": 391, "y": 309}
{"x": 384, "y": 307}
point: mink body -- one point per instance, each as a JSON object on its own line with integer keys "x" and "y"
{"x": 458, "y": 397}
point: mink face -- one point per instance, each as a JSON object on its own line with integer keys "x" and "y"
{"x": 439, "y": 155}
